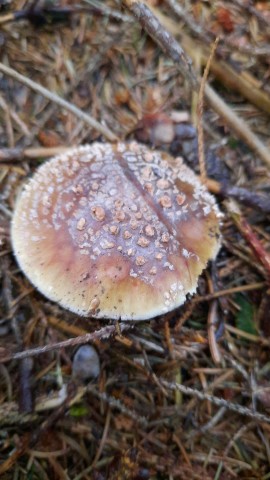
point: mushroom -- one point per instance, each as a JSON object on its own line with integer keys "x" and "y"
{"x": 115, "y": 231}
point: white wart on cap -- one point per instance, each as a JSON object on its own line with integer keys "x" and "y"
{"x": 115, "y": 231}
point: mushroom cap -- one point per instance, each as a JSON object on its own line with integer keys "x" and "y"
{"x": 115, "y": 231}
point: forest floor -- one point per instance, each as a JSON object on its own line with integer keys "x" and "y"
{"x": 186, "y": 394}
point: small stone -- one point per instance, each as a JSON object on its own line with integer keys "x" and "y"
{"x": 86, "y": 363}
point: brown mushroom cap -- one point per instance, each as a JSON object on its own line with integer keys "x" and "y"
{"x": 115, "y": 231}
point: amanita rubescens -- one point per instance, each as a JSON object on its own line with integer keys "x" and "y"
{"x": 115, "y": 231}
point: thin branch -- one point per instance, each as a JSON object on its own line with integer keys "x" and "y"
{"x": 7, "y": 122}
{"x": 259, "y": 201}
{"x": 243, "y": 82}
{"x": 71, "y": 342}
{"x": 253, "y": 11}
{"x": 115, "y": 403}
{"x": 9, "y": 413}
{"x": 207, "y": 36}
{"x": 152, "y": 23}
{"x": 53, "y": 97}
{"x": 200, "y": 113}
{"x": 220, "y": 402}
{"x": 260, "y": 253}
{"x": 163, "y": 38}
{"x": 42, "y": 14}
{"x": 9, "y": 17}
{"x": 237, "y": 124}
{"x": 212, "y": 340}
{"x": 106, "y": 10}
{"x": 230, "y": 291}
{"x": 17, "y": 154}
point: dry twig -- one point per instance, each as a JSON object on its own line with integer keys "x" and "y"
{"x": 200, "y": 114}
{"x": 17, "y": 154}
{"x": 103, "y": 333}
{"x": 220, "y": 402}
{"x": 163, "y": 38}
{"x": 153, "y": 25}
{"x": 59, "y": 101}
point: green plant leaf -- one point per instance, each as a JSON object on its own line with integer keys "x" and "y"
{"x": 245, "y": 316}
{"x": 78, "y": 411}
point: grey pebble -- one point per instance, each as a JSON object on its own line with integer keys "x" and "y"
{"x": 86, "y": 363}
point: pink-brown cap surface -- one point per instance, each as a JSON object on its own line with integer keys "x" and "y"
{"x": 115, "y": 231}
